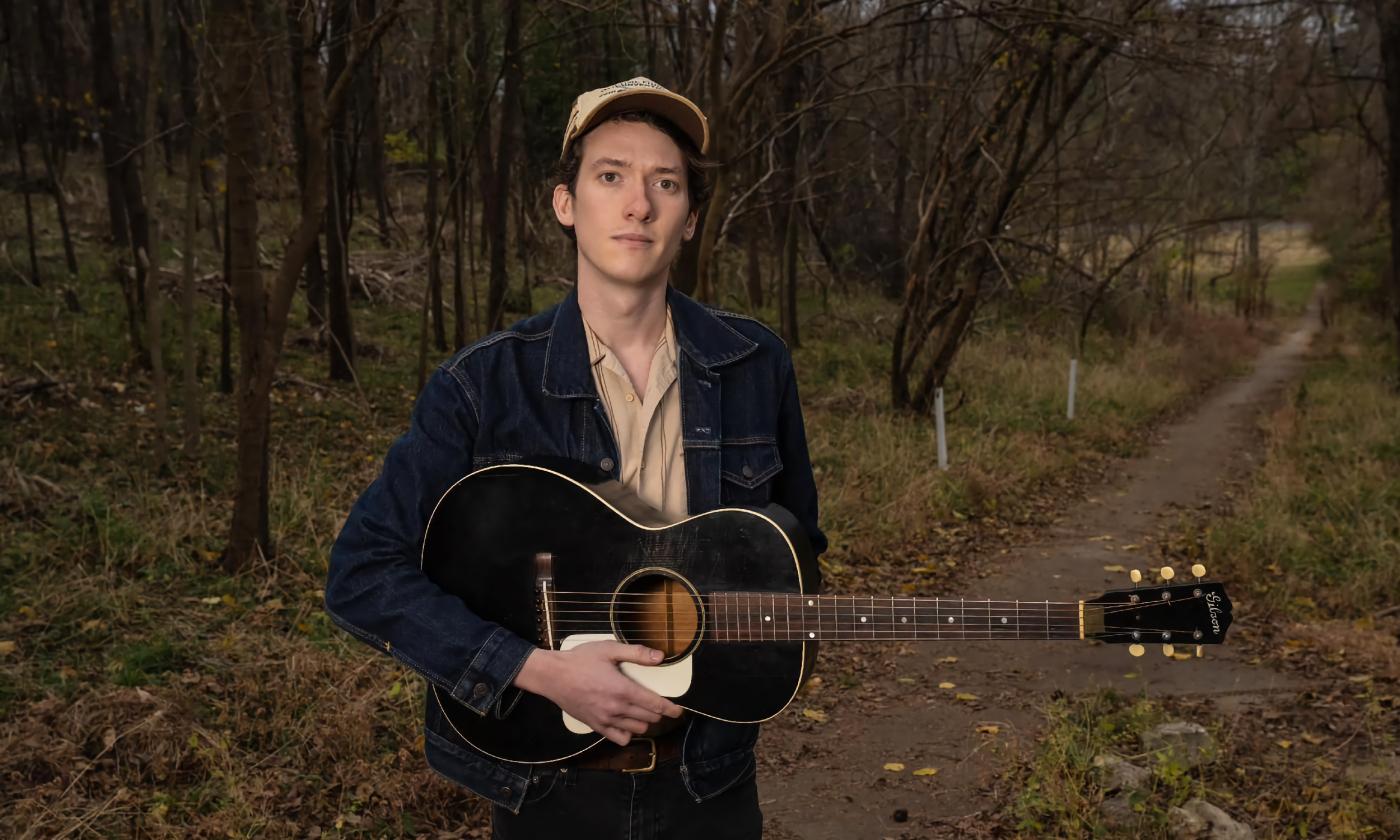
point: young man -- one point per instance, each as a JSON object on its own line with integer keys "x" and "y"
{"x": 690, "y": 408}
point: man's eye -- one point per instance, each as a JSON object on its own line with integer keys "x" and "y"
{"x": 608, "y": 176}
{"x": 667, "y": 184}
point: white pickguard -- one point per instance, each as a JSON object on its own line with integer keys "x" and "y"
{"x": 670, "y": 680}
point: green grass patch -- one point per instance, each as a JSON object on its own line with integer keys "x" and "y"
{"x": 1319, "y": 530}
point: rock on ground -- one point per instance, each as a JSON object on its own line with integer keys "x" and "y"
{"x": 1189, "y": 744}
{"x": 1200, "y": 820}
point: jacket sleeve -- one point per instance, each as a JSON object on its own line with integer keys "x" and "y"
{"x": 796, "y": 487}
{"x": 375, "y": 588}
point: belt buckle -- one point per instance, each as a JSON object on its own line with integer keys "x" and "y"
{"x": 650, "y": 767}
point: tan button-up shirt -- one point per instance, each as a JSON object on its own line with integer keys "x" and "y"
{"x": 647, "y": 426}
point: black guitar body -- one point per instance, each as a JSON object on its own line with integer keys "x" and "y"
{"x": 510, "y": 539}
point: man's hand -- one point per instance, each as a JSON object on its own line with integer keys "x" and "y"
{"x": 586, "y": 682}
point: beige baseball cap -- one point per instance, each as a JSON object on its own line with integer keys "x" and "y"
{"x": 641, "y": 93}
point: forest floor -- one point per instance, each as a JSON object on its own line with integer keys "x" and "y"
{"x": 975, "y": 717}
{"x": 144, "y": 692}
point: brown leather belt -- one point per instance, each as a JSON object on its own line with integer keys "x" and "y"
{"x": 641, "y": 755}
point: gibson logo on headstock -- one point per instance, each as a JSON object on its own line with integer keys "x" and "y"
{"x": 1213, "y": 604}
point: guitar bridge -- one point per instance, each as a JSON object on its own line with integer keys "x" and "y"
{"x": 544, "y": 602}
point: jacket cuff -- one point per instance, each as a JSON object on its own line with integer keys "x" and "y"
{"x": 492, "y": 671}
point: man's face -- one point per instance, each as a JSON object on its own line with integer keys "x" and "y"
{"x": 629, "y": 210}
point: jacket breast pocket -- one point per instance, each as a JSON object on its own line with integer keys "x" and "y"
{"x": 747, "y": 468}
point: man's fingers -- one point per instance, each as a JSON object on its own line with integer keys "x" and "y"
{"x": 617, "y": 736}
{"x": 640, "y": 654}
{"x": 649, "y": 714}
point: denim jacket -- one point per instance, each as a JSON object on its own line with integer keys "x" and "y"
{"x": 528, "y": 391}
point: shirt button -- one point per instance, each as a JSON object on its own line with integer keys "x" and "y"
{"x": 748, "y": 471}
{"x": 631, "y": 397}
{"x": 607, "y": 464}
{"x": 480, "y": 690}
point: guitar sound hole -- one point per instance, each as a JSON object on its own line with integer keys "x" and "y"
{"x": 659, "y": 609}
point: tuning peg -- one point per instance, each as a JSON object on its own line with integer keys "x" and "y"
{"x": 1199, "y": 651}
{"x": 1168, "y": 651}
{"x": 1199, "y": 571}
{"x": 1135, "y": 576}
{"x": 1136, "y": 649}
{"x": 1167, "y": 573}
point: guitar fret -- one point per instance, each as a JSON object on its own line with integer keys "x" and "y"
{"x": 764, "y": 616}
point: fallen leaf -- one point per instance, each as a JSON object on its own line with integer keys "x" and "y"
{"x": 894, "y": 767}
{"x": 7, "y": 647}
{"x": 988, "y": 729}
{"x": 966, "y": 697}
{"x": 945, "y": 685}
{"x": 905, "y": 680}
{"x": 1114, "y": 567}
{"x": 211, "y": 600}
{"x": 926, "y": 771}
{"x": 1312, "y": 739}
{"x": 814, "y": 714}
{"x": 947, "y": 660}
{"x": 1130, "y": 676}
{"x": 1284, "y": 743}
{"x": 1103, "y": 538}
{"x": 1131, "y": 547}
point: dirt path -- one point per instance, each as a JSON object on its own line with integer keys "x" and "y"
{"x": 836, "y": 788}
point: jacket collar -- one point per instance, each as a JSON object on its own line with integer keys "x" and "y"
{"x": 702, "y": 336}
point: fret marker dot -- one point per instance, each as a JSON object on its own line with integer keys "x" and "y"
{"x": 811, "y": 603}
{"x": 1003, "y": 619}
{"x": 862, "y": 619}
{"x": 950, "y": 619}
{"x": 904, "y": 620}
{"x": 768, "y": 618}
{"x": 811, "y": 635}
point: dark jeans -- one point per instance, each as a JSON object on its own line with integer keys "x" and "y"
{"x": 612, "y": 805}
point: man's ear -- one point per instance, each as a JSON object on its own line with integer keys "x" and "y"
{"x": 563, "y": 202}
{"x": 691, "y": 219}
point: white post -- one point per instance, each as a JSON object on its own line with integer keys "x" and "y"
{"x": 938, "y": 423}
{"x": 1073, "y": 380}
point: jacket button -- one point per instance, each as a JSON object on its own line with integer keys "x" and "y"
{"x": 748, "y": 471}
{"x": 607, "y": 464}
{"x": 505, "y": 791}
{"x": 480, "y": 690}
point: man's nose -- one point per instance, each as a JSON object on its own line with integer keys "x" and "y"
{"x": 638, "y": 203}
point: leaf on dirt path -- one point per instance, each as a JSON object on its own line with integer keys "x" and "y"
{"x": 92, "y": 624}
{"x": 946, "y": 685}
{"x": 1284, "y": 743}
{"x": 894, "y": 767}
{"x": 815, "y": 714}
{"x": 988, "y": 729}
{"x": 1131, "y": 547}
{"x": 966, "y": 697}
{"x": 211, "y": 600}
{"x": 1360, "y": 678}
{"x": 926, "y": 771}
{"x": 905, "y": 680}
{"x": 947, "y": 660}
{"x": 1312, "y": 739}
{"x": 1130, "y": 676}
{"x": 1102, "y": 538}
{"x": 7, "y": 647}
{"x": 1114, "y": 567}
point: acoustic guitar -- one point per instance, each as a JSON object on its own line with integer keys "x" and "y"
{"x": 559, "y": 555}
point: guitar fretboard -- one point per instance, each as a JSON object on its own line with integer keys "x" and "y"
{"x": 777, "y": 616}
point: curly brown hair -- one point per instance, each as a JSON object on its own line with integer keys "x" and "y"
{"x": 697, "y": 180}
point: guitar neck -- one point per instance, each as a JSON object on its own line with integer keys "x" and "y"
{"x": 783, "y": 617}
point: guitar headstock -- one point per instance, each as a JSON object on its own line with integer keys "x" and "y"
{"x": 1165, "y": 613}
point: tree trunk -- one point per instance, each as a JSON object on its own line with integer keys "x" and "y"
{"x": 1388, "y": 17}
{"x": 154, "y": 303}
{"x": 341, "y": 345}
{"x": 17, "y": 122}
{"x": 248, "y": 533}
{"x": 498, "y": 194}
